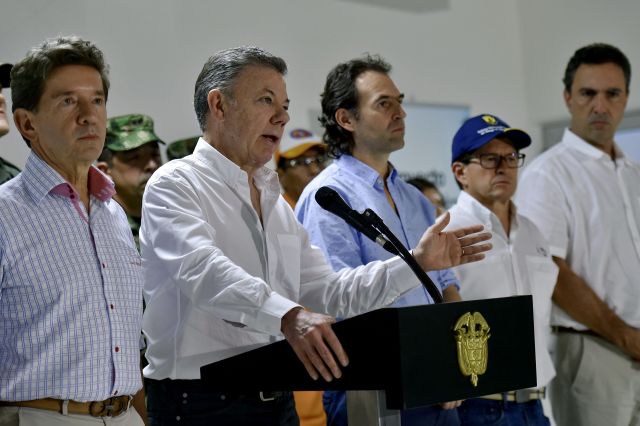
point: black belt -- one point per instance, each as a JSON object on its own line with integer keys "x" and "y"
{"x": 198, "y": 385}
{"x": 561, "y": 329}
{"x": 262, "y": 396}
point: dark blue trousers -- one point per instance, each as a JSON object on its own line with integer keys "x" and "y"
{"x": 190, "y": 402}
{"x": 335, "y": 405}
{"x": 502, "y": 413}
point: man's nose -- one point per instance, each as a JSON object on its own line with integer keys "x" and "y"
{"x": 600, "y": 103}
{"x": 87, "y": 112}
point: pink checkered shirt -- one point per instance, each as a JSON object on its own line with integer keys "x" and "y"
{"x": 70, "y": 290}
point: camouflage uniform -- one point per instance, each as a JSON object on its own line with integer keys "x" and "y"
{"x": 7, "y": 171}
{"x": 127, "y": 132}
{"x": 181, "y": 148}
{"x": 134, "y": 224}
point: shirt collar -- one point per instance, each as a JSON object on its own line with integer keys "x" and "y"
{"x": 100, "y": 185}
{"x": 574, "y": 141}
{"x": 486, "y": 216}
{"x": 41, "y": 179}
{"x": 231, "y": 173}
{"x": 363, "y": 171}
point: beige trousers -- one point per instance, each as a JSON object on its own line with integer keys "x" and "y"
{"x": 20, "y": 416}
{"x": 596, "y": 384}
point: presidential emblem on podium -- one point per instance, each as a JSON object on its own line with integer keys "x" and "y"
{"x": 472, "y": 334}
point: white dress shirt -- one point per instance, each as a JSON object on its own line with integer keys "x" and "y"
{"x": 588, "y": 207}
{"x": 218, "y": 280}
{"x": 519, "y": 263}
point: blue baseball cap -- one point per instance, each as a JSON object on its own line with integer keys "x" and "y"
{"x": 480, "y": 130}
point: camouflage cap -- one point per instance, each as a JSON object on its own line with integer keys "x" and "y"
{"x": 181, "y": 148}
{"x": 130, "y": 131}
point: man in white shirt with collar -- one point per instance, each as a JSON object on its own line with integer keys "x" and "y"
{"x": 228, "y": 267}
{"x": 485, "y": 161}
{"x": 584, "y": 195}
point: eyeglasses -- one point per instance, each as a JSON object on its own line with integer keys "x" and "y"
{"x": 493, "y": 161}
{"x": 320, "y": 160}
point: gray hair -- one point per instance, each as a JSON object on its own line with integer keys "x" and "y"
{"x": 221, "y": 71}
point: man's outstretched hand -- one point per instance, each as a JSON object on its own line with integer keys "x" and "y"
{"x": 438, "y": 249}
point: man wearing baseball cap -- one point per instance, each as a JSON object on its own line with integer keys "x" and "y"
{"x": 485, "y": 161}
{"x": 7, "y": 170}
{"x": 130, "y": 156}
{"x": 300, "y": 158}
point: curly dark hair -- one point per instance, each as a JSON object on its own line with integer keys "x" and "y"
{"x": 340, "y": 92}
{"x": 596, "y": 54}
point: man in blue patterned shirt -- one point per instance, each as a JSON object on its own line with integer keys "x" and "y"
{"x": 70, "y": 275}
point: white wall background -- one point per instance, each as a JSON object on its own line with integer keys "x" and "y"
{"x": 552, "y": 30}
{"x": 499, "y": 56}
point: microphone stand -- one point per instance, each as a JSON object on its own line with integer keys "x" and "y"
{"x": 372, "y": 218}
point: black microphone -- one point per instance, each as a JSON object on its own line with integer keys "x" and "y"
{"x": 331, "y": 201}
{"x": 371, "y": 225}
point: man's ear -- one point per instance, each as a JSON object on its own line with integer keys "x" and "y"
{"x": 103, "y": 166}
{"x": 567, "y": 99}
{"x": 217, "y": 103}
{"x": 459, "y": 173}
{"x": 24, "y": 121}
{"x": 345, "y": 119}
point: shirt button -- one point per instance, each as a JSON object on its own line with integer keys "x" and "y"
{"x": 117, "y": 349}
{"x": 104, "y": 265}
{"x": 115, "y": 393}
{"x": 184, "y": 395}
{"x": 178, "y": 418}
{"x": 111, "y": 306}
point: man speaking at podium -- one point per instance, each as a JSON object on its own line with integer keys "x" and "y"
{"x": 228, "y": 267}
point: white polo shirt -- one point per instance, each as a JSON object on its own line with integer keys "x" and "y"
{"x": 519, "y": 263}
{"x": 588, "y": 207}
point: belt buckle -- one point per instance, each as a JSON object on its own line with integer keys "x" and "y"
{"x": 523, "y": 395}
{"x": 265, "y": 398}
{"x": 111, "y": 407}
{"x": 269, "y": 396}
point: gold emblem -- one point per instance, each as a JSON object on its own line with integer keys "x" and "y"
{"x": 489, "y": 119}
{"x": 472, "y": 333}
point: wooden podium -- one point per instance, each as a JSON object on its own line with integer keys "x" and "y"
{"x": 411, "y": 354}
